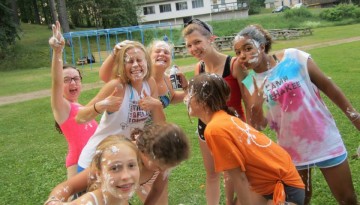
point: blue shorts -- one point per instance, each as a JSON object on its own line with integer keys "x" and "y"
{"x": 325, "y": 164}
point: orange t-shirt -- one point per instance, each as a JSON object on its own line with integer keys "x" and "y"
{"x": 234, "y": 143}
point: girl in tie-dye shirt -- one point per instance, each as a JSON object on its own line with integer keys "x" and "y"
{"x": 283, "y": 91}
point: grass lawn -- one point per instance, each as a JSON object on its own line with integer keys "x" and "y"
{"x": 33, "y": 154}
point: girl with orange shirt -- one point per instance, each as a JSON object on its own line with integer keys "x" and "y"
{"x": 253, "y": 162}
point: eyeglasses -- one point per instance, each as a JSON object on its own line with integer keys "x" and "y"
{"x": 198, "y": 22}
{"x": 77, "y": 79}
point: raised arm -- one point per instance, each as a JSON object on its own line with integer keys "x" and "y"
{"x": 60, "y": 106}
{"x": 254, "y": 106}
{"x": 108, "y": 99}
{"x": 105, "y": 70}
{"x": 330, "y": 89}
{"x": 64, "y": 190}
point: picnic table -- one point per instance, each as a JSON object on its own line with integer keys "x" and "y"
{"x": 303, "y": 31}
{"x": 180, "y": 49}
{"x": 224, "y": 42}
{"x": 284, "y": 33}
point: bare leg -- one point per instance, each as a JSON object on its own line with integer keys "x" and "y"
{"x": 306, "y": 178}
{"x": 212, "y": 178}
{"x": 340, "y": 182}
{"x": 229, "y": 190}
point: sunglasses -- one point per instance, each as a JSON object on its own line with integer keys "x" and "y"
{"x": 198, "y": 22}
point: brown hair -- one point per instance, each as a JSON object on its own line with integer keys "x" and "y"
{"x": 197, "y": 25}
{"x": 212, "y": 91}
{"x": 258, "y": 33}
{"x": 119, "y": 65}
{"x": 106, "y": 144}
{"x": 65, "y": 66}
{"x": 165, "y": 142}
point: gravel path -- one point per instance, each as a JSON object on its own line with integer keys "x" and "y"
{"x": 45, "y": 93}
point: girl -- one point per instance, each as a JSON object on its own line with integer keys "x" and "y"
{"x": 199, "y": 40}
{"x": 127, "y": 102}
{"x": 65, "y": 92}
{"x": 160, "y": 55}
{"x": 288, "y": 85}
{"x": 116, "y": 174}
{"x": 249, "y": 158}
{"x": 161, "y": 146}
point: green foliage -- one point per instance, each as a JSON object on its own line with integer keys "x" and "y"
{"x": 8, "y": 32}
{"x": 301, "y": 12}
{"x": 255, "y": 6}
{"x": 340, "y": 12}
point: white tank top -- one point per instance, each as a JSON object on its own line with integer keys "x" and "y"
{"x": 123, "y": 121}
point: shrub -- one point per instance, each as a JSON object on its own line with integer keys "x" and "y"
{"x": 298, "y": 13}
{"x": 340, "y": 12}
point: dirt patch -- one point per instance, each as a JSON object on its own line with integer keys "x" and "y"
{"x": 45, "y": 93}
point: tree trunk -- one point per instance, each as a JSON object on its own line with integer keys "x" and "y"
{"x": 36, "y": 13}
{"x": 54, "y": 16}
{"x": 63, "y": 16}
{"x": 14, "y": 7}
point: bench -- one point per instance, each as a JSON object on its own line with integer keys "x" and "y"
{"x": 100, "y": 56}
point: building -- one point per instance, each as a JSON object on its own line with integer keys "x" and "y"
{"x": 178, "y": 12}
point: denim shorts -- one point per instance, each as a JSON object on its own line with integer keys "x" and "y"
{"x": 79, "y": 169}
{"x": 292, "y": 194}
{"x": 325, "y": 164}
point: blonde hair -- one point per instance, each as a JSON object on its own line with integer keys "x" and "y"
{"x": 107, "y": 143}
{"x": 151, "y": 46}
{"x": 119, "y": 65}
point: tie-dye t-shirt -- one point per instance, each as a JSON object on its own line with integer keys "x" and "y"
{"x": 295, "y": 111}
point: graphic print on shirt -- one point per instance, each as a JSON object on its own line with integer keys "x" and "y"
{"x": 136, "y": 114}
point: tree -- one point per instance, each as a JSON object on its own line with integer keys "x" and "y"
{"x": 54, "y": 16}
{"x": 63, "y": 16}
{"x": 9, "y": 29}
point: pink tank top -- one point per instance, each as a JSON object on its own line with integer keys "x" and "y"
{"x": 76, "y": 134}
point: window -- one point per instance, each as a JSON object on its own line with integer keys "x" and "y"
{"x": 181, "y": 6}
{"x": 197, "y": 3}
{"x": 165, "y": 8}
{"x": 149, "y": 10}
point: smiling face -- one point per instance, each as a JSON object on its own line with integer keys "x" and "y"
{"x": 119, "y": 171}
{"x": 135, "y": 64}
{"x": 161, "y": 55}
{"x": 72, "y": 84}
{"x": 197, "y": 44}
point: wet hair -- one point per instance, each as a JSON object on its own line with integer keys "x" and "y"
{"x": 165, "y": 142}
{"x": 105, "y": 145}
{"x": 151, "y": 46}
{"x": 197, "y": 25}
{"x": 258, "y": 33}
{"x": 119, "y": 65}
{"x": 212, "y": 91}
{"x": 65, "y": 66}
